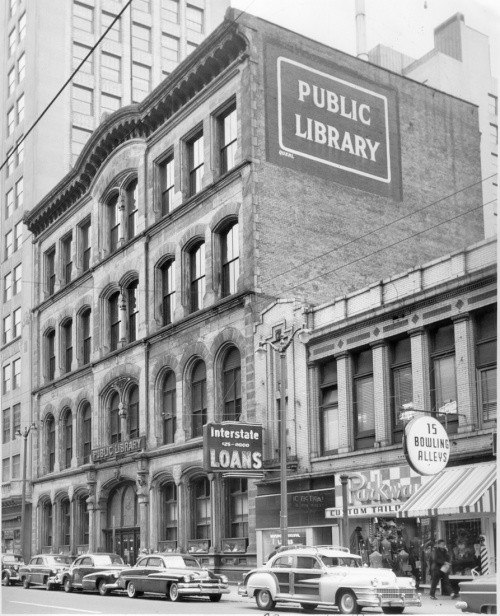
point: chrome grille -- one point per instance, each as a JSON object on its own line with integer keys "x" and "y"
{"x": 395, "y": 593}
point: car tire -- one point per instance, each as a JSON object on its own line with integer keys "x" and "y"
{"x": 215, "y": 598}
{"x": 103, "y": 591}
{"x": 5, "y": 579}
{"x": 264, "y": 599}
{"x": 309, "y": 607}
{"x": 393, "y": 610}
{"x": 26, "y": 583}
{"x": 347, "y": 603}
{"x": 131, "y": 590}
{"x": 67, "y": 585}
{"x": 173, "y": 592}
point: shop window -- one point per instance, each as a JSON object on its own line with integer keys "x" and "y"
{"x": 50, "y": 429}
{"x": 228, "y": 136}
{"x": 167, "y": 185}
{"x": 238, "y": 507}
{"x": 232, "y": 385}
{"x": 50, "y": 342}
{"x": 85, "y": 247}
{"x": 197, "y": 276}
{"x": 402, "y": 384}
{"x": 329, "y": 408}
{"x": 196, "y": 162}
{"x": 50, "y": 271}
{"x": 169, "y": 527}
{"x": 486, "y": 363}
{"x": 86, "y": 440}
{"x": 47, "y": 525}
{"x": 444, "y": 382}
{"x": 202, "y": 509}
{"x": 65, "y": 522}
{"x": 131, "y": 209}
{"x": 133, "y": 412}
{"x": 230, "y": 255}
{"x": 67, "y": 258}
{"x": 169, "y": 412}
{"x": 114, "y": 320}
{"x": 114, "y": 419}
{"x": 198, "y": 399}
{"x": 67, "y": 342}
{"x": 168, "y": 291}
{"x": 113, "y": 216}
{"x": 364, "y": 414}
{"x": 67, "y": 426}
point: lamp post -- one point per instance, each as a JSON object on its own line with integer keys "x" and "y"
{"x": 281, "y": 345}
{"x": 24, "y": 434}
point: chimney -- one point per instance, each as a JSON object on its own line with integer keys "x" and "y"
{"x": 361, "y": 50}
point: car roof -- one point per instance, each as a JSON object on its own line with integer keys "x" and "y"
{"x": 97, "y": 554}
{"x": 326, "y": 550}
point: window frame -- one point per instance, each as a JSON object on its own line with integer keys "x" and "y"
{"x": 363, "y": 439}
{"x": 169, "y": 407}
{"x": 198, "y": 388}
{"x": 399, "y": 362}
{"x": 195, "y": 145}
{"x": 197, "y": 275}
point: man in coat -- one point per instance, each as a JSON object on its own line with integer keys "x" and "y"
{"x": 440, "y": 564}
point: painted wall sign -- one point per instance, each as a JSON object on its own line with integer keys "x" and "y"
{"x": 304, "y": 508}
{"x": 232, "y": 447}
{"x": 116, "y": 449}
{"x": 324, "y": 120}
{"x": 426, "y": 445}
{"x": 368, "y": 511}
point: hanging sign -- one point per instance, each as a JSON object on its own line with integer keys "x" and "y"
{"x": 426, "y": 445}
{"x": 232, "y": 447}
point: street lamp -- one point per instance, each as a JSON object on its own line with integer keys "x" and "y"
{"x": 24, "y": 434}
{"x": 281, "y": 345}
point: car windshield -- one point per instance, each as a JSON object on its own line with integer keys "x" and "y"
{"x": 101, "y": 560}
{"x": 181, "y": 562}
{"x": 60, "y": 560}
{"x": 340, "y": 561}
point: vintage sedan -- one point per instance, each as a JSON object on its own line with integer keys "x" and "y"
{"x": 479, "y": 595}
{"x": 42, "y": 567}
{"x": 10, "y": 568}
{"x": 327, "y": 576}
{"x": 89, "y": 572}
{"x": 173, "y": 575}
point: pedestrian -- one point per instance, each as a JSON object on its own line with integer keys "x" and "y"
{"x": 440, "y": 567}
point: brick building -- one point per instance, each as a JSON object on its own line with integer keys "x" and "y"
{"x": 183, "y": 217}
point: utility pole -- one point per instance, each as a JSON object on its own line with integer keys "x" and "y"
{"x": 24, "y": 434}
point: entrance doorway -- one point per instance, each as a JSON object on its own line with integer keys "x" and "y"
{"x": 122, "y": 532}
{"x": 125, "y": 542}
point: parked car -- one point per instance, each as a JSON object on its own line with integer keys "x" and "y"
{"x": 42, "y": 567}
{"x": 173, "y": 575}
{"x": 89, "y": 572}
{"x": 10, "y": 568}
{"x": 478, "y": 595}
{"x": 327, "y": 576}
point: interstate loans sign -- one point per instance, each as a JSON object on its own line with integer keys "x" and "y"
{"x": 232, "y": 447}
{"x": 324, "y": 120}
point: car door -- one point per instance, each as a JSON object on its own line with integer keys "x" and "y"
{"x": 40, "y": 566}
{"x": 282, "y": 569}
{"x": 154, "y": 564}
{"x": 138, "y": 573}
{"x": 81, "y": 567}
{"x": 306, "y": 577}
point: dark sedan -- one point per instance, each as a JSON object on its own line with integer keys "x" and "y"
{"x": 90, "y": 572}
{"x": 42, "y": 567}
{"x": 173, "y": 575}
{"x": 479, "y": 595}
{"x": 11, "y": 564}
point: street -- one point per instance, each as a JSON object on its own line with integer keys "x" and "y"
{"x": 37, "y": 600}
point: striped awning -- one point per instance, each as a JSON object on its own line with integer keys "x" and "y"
{"x": 458, "y": 489}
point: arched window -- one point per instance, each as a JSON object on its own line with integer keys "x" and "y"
{"x": 230, "y": 255}
{"x": 232, "y": 386}
{"x": 198, "y": 399}
{"x": 67, "y": 344}
{"x": 50, "y": 428}
{"x": 169, "y": 512}
{"x": 65, "y": 526}
{"x": 47, "y": 524}
{"x": 67, "y": 438}
{"x": 168, "y": 291}
{"x": 114, "y": 320}
{"x": 86, "y": 336}
{"x": 82, "y": 522}
{"x": 115, "y": 435}
{"x": 202, "y": 509}
{"x": 169, "y": 408}
{"x": 50, "y": 339}
{"x": 113, "y": 215}
{"x": 86, "y": 439}
{"x": 197, "y": 276}
{"x": 131, "y": 205}
{"x": 132, "y": 310}
{"x": 133, "y": 412}
{"x": 238, "y": 507}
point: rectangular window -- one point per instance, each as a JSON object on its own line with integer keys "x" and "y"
{"x": 110, "y": 103}
{"x": 18, "y": 274}
{"x": 16, "y": 323}
{"x": 16, "y": 466}
{"x": 230, "y": 253}
{"x": 85, "y": 248}
{"x": 68, "y": 345}
{"x": 20, "y": 151}
{"x": 9, "y": 244}
{"x": 21, "y": 67}
{"x": 141, "y": 81}
{"x": 486, "y": 363}
{"x": 51, "y": 355}
{"x": 11, "y": 121}
{"x": 168, "y": 286}
{"x": 141, "y": 38}
{"x": 402, "y": 383}
{"x": 83, "y": 18}
{"x": 5, "y": 470}
{"x": 12, "y": 7}
{"x": 19, "y": 193}
{"x": 115, "y": 33}
{"x": 493, "y": 134}
{"x": 16, "y": 416}
{"x": 22, "y": 27}
{"x": 228, "y": 139}
{"x": 194, "y": 19}
{"x": 67, "y": 258}
{"x": 7, "y": 287}
{"x": 364, "y": 412}
{"x": 7, "y": 329}
{"x": 197, "y": 270}
{"x": 12, "y": 41}
{"x": 493, "y": 104}
{"x": 114, "y": 320}
{"x": 444, "y": 382}
{"x": 79, "y": 137}
{"x": 110, "y": 67}
{"x": 9, "y": 203}
{"x": 79, "y": 53}
{"x": 169, "y": 52}
{"x": 10, "y": 162}
{"x": 83, "y": 101}
{"x": 7, "y": 381}
{"x": 20, "y": 109}
{"x": 16, "y": 373}
{"x": 133, "y": 312}
{"x": 329, "y": 408}
{"x": 166, "y": 169}
{"x": 18, "y": 235}
{"x": 169, "y": 13}
{"x": 11, "y": 81}
{"x": 86, "y": 337}
{"x": 196, "y": 160}
{"x": 143, "y": 6}
{"x": 50, "y": 271}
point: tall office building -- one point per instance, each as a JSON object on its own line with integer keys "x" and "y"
{"x": 43, "y": 42}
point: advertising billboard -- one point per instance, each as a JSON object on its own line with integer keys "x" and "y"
{"x": 232, "y": 447}
{"x": 326, "y": 120}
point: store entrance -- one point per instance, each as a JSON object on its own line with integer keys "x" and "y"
{"x": 124, "y": 542}
{"x": 123, "y": 532}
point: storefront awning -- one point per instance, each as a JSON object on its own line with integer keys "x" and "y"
{"x": 458, "y": 489}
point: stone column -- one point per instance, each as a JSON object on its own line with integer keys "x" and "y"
{"x": 465, "y": 373}
{"x": 420, "y": 365}
{"x": 73, "y": 525}
{"x": 122, "y": 310}
{"x": 144, "y": 521}
{"x": 74, "y": 440}
{"x": 216, "y": 495}
{"x": 92, "y": 509}
{"x": 345, "y": 401}
{"x": 154, "y": 517}
{"x": 381, "y": 389}
{"x": 56, "y": 525}
{"x": 183, "y": 516}
{"x": 122, "y": 412}
{"x": 314, "y": 426}
{"x": 122, "y": 215}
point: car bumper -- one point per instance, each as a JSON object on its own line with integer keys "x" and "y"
{"x": 242, "y": 591}
{"x": 192, "y": 588}
{"x": 55, "y": 580}
{"x": 13, "y": 576}
{"x": 388, "y": 599}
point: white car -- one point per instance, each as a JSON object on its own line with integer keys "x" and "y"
{"x": 328, "y": 576}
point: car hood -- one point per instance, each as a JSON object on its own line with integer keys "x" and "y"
{"x": 384, "y": 576}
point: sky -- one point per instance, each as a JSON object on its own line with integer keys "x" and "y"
{"x": 405, "y": 25}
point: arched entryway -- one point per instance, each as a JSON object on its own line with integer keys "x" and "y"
{"x": 122, "y": 532}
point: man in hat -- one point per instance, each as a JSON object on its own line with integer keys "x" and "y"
{"x": 440, "y": 565}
